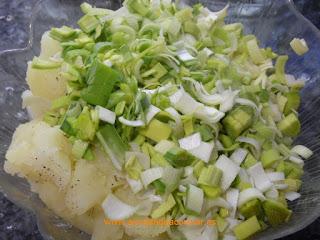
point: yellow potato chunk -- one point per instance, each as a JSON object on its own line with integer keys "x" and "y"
{"x": 49, "y": 46}
{"x": 88, "y": 187}
{"x": 40, "y": 153}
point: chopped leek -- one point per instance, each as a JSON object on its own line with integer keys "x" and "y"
{"x": 194, "y": 199}
{"x": 186, "y": 107}
{"x": 247, "y": 228}
{"x": 115, "y": 209}
{"x": 112, "y": 144}
{"x": 229, "y": 171}
{"x": 164, "y": 207}
{"x": 299, "y": 46}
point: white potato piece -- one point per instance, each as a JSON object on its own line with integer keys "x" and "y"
{"x": 46, "y": 83}
{"x": 54, "y": 199}
{"x": 102, "y": 231}
{"x": 88, "y": 187}
{"x": 40, "y": 153}
{"x": 35, "y": 105}
{"x": 51, "y": 196}
{"x": 49, "y": 46}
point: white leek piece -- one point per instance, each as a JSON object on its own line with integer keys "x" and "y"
{"x": 230, "y": 171}
{"x": 239, "y": 155}
{"x": 135, "y": 185}
{"x": 177, "y": 118}
{"x": 190, "y": 142}
{"x": 296, "y": 160}
{"x": 299, "y": 46}
{"x": 260, "y": 178}
{"x": 217, "y": 202}
{"x": 276, "y": 176}
{"x": 249, "y": 194}
{"x": 251, "y": 141}
{"x": 183, "y": 102}
{"x": 163, "y": 146}
{"x": 115, "y": 209}
{"x": 272, "y": 193}
{"x": 232, "y": 196}
{"x": 302, "y": 151}
{"x": 151, "y": 113}
{"x": 195, "y": 198}
{"x": 203, "y": 151}
{"x": 291, "y": 196}
{"x": 131, "y": 123}
{"x": 184, "y": 56}
{"x": 150, "y": 175}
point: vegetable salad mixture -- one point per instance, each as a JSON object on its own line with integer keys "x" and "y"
{"x": 159, "y": 110}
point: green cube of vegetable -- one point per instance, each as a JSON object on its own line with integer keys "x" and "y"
{"x": 237, "y": 121}
{"x": 157, "y": 131}
{"x": 247, "y": 228}
{"x": 211, "y": 192}
{"x": 249, "y": 161}
{"x": 276, "y": 212}
{"x": 225, "y": 140}
{"x": 252, "y": 208}
{"x": 269, "y": 157}
{"x": 290, "y": 125}
{"x": 178, "y": 157}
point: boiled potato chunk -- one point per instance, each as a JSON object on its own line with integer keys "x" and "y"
{"x": 88, "y": 187}
{"x": 46, "y": 83}
{"x": 40, "y": 153}
{"x": 35, "y": 105}
{"x": 49, "y": 46}
{"x": 50, "y": 194}
{"x": 54, "y": 198}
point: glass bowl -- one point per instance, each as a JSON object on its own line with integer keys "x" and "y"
{"x": 274, "y": 22}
